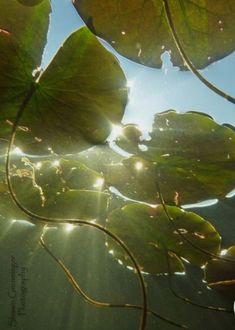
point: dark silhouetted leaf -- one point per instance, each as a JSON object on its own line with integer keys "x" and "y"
{"x": 152, "y": 237}
{"x": 138, "y": 29}
{"x": 23, "y": 32}
{"x": 220, "y": 274}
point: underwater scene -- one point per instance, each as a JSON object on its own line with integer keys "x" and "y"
{"x": 117, "y": 164}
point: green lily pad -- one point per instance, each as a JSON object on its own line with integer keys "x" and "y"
{"x": 220, "y": 274}
{"x": 139, "y": 30}
{"x": 134, "y": 178}
{"x": 81, "y": 204}
{"x": 79, "y": 176}
{"x": 60, "y": 189}
{"x": 189, "y": 155}
{"x": 23, "y": 36}
{"x": 79, "y": 96}
{"x": 152, "y": 238}
{"x": 129, "y": 139}
{"x": 190, "y": 135}
{"x": 84, "y": 83}
{"x": 99, "y": 156}
{"x": 8, "y": 209}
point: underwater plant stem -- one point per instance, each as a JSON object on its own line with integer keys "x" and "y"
{"x": 43, "y": 219}
{"x": 183, "y": 236}
{"x": 98, "y": 303}
{"x": 186, "y": 59}
{"x": 187, "y": 300}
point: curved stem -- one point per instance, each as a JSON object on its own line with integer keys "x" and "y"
{"x": 43, "y": 219}
{"x": 187, "y": 300}
{"x": 98, "y": 303}
{"x": 186, "y": 59}
{"x": 171, "y": 220}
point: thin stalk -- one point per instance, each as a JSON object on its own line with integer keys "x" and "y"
{"x": 187, "y": 300}
{"x": 171, "y": 220}
{"x": 186, "y": 59}
{"x": 43, "y": 219}
{"x": 96, "y": 303}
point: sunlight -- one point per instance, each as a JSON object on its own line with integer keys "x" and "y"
{"x": 56, "y": 163}
{"x": 99, "y": 183}
{"x": 69, "y": 227}
{"x": 206, "y": 203}
{"x": 17, "y": 151}
{"x": 139, "y": 166}
{"x": 116, "y": 131}
{"x": 130, "y": 83}
{"x": 230, "y": 194}
{"x": 223, "y": 252}
{"x": 38, "y": 165}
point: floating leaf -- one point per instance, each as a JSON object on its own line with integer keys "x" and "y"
{"x": 49, "y": 188}
{"x": 84, "y": 84}
{"x": 135, "y": 178}
{"x": 191, "y": 158}
{"x": 220, "y": 274}
{"x": 78, "y": 176}
{"x": 129, "y": 138}
{"x": 139, "y": 30}
{"x": 8, "y": 209}
{"x": 98, "y": 157}
{"x": 151, "y": 237}
{"x": 82, "y": 204}
{"x": 23, "y": 32}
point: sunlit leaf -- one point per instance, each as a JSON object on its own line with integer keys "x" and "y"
{"x": 99, "y": 157}
{"x": 138, "y": 29}
{"x": 74, "y": 102}
{"x": 220, "y": 274}
{"x": 81, "y": 93}
{"x": 152, "y": 238}
{"x": 60, "y": 189}
{"x": 82, "y": 204}
{"x": 189, "y": 157}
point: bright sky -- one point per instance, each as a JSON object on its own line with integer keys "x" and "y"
{"x": 154, "y": 90}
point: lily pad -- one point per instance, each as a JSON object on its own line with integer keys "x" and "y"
{"x": 189, "y": 156}
{"x": 98, "y": 157}
{"x": 139, "y": 30}
{"x": 220, "y": 274}
{"x": 60, "y": 189}
{"x": 8, "y": 209}
{"x": 84, "y": 83}
{"x": 23, "y": 36}
{"x": 153, "y": 239}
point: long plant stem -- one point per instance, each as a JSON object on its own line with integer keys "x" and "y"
{"x": 99, "y": 303}
{"x": 187, "y": 300}
{"x": 186, "y": 59}
{"x": 183, "y": 236}
{"x": 34, "y": 216}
